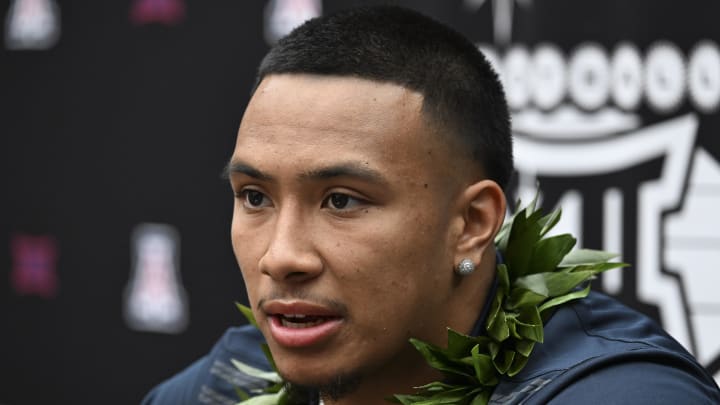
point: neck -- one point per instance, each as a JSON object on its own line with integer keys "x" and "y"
{"x": 397, "y": 378}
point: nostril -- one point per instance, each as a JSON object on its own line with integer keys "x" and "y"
{"x": 297, "y": 275}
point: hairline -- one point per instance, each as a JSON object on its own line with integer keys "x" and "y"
{"x": 430, "y": 118}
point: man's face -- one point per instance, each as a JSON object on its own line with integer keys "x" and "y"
{"x": 343, "y": 224}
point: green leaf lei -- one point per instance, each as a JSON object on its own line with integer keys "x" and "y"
{"x": 539, "y": 273}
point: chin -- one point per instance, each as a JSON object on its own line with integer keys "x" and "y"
{"x": 333, "y": 388}
{"x": 333, "y": 384}
{"x": 307, "y": 373}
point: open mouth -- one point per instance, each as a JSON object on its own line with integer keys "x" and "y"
{"x": 301, "y": 321}
{"x": 298, "y": 324}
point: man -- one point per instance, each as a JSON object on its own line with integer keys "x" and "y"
{"x": 368, "y": 173}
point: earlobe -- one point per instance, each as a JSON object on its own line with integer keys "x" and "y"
{"x": 483, "y": 211}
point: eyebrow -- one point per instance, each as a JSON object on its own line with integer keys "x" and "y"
{"x": 348, "y": 169}
{"x": 246, "y": 169}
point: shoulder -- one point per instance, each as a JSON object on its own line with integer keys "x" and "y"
{"x": 213, "y": 379}
{"x": 636, "y": 382}
{"x": 597, "y": 349}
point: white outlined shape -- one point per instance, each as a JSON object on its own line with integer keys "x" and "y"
{"x": 549, "y": 70}
{"x": 589, "y": 76}
{"x": 282, "y": 16}
{"x": 516, "y": 77}
{"x": 691, "y": 250}
{"x": 32, "y": 25}
{"x": 502, "y": 11}
{"x": 673, "y": 140}
{"x": 568, "y": 122}
{"x": 664, "y": 77}
{"x": 704, "y": 76}
{"x": 613, "y": 236}
{"x": 626, "y": 82}
{"x": 155, "y": 300}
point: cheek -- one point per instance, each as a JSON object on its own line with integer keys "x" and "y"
{"x": 237, "y": 238}
{"x": 394, "y": 265}
{"x": 247, "y": 247}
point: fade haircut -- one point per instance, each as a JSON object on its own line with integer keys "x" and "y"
{"x": 461, "y": 93}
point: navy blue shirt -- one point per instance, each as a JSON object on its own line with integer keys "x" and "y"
{"x": 596, "y": 351}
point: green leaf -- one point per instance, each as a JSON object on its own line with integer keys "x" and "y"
{"x": 241, "y": 394}
{"x": 565, "y": 298}
{"x": 518, "y": 364}
{"x": 504, "y": 360}
{"x": 484, "y": 367}
{"x": 552, "y": 284}
{"x": 503, "y": 279}
{"x": 435, "y": 357}
{"x": 586, "y": 256}
{"x": 482, "y": 398}
{"x": 501, "y": 239}
{"x": 525, "y": 232}
{"x": 529, "y": 324}
{"x": 521, "y": 297}
{"x": 494, "y": 349}
{"x": 273, "y": 388}
{"x": 247, "y": 312}
{"x": 455, "y": 395}
{"x": 549, "y": 252}
{"x": 270, "y": 376}
{"x": 512, "y": 325}
{"x": 497, "y": 327}
{"x": 524, "y": 347}
{"x": 595, "y": 268}
{"x": 265, "y": 399}
{"x": 532, "y": 206}
{"x": 549, "y": 221}
{"x": 459, "y": 345}
{"x": 435, "y": 386}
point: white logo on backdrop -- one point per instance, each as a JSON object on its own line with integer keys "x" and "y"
{"x": 32, "y": 24}
{"x": 282, "y": 16}
{"x": 155, "y": 299}
{"x": 502, "y": 11}
{"x": 576, "y": 117}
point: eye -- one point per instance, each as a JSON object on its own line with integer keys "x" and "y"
{"x": 254, "y": 199}
{"x": 341, "y": 201}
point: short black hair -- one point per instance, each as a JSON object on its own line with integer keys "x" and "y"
{"x": 460, "y": 90}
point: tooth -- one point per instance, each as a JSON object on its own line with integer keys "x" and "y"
{"x": 299, "y": 325}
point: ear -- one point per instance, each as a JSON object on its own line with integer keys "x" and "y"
{"x": 483, "y": 211}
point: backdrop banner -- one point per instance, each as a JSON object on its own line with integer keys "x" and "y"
{"x": 118, "y": 118}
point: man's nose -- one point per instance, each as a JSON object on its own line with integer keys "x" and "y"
{"x": 291, "y": 254}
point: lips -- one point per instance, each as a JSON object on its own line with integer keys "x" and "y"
{"x": 298, "y": 324}
{"x": 300, "y": 321}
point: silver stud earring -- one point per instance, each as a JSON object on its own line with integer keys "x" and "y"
{"x": 465, "y": 267}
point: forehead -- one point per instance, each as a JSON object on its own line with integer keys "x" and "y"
{"x": 326, "y": 117}
{"x": 332, "y": 103}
